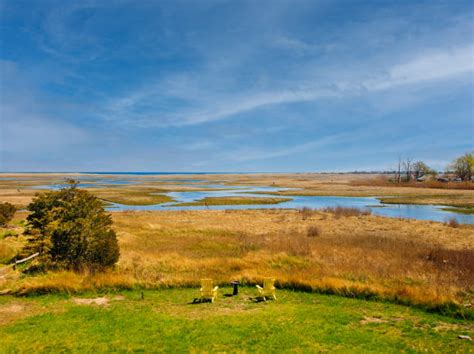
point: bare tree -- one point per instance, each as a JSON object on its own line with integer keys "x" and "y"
{"x": 407, "y": 166}
{"x": 421, "y": 169}
{"x": 399, "y": 169}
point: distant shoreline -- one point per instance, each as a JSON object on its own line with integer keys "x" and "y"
{"x": 198, "y": 173}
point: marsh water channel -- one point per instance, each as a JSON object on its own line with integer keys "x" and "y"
{"x": 220, "y": 190}
{"x": 420, "y": 212}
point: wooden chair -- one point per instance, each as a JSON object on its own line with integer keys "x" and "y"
{"x": 208, "y": 292}
{"x": 268, "y": 290}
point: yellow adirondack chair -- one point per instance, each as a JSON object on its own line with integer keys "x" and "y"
{"x": 208, "y": 292}
{"x": 268, "y": 290}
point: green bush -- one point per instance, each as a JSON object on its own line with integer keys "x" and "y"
{"x": 70, "y": 230}
{"x": 463, "y": 166}
{"x": 7, "y": 211}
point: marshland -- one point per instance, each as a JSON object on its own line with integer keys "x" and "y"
{"x": 341, "y": 251}
{"x": 236, "y": 176}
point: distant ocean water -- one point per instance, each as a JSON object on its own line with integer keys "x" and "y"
{"x": 165, "y": 173}
{"x": 136, "y": 173}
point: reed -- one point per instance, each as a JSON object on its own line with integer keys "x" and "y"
{"x": 452, "y": 222}
{"x": 340, "y": 211}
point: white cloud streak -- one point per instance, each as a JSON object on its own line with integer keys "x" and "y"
{"x": 430, "y": 68}
{"x": 253, "y": 154}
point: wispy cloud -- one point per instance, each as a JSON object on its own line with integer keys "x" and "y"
{"x": 440, "y": 65}
{"x": 252, "y": 154}
{"x": 297, "y": 45}
{"x": 435, "y": 66}
{"x": 67, "y": 41}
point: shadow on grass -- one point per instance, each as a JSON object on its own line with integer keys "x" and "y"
{"x": 256, "y": 299}
{"x": 198, "y": 300}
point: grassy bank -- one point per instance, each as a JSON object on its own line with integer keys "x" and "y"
{"x": 234, "y": 201}
{"x": 466, "y": 210}
{"x": 457, "y": 201}
{"x": 165, "y": 321}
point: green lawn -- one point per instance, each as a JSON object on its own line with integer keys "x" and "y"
{"x": 165, "y": 321}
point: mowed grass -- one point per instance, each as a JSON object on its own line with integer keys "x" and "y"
{"x": 165, "y": 321}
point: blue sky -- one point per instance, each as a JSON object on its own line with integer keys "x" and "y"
{"x": 234, "y": 85}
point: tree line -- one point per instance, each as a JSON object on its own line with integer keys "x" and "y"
{"x": 461, "y": 167}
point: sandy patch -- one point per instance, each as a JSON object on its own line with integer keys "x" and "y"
{"x": 13, "y": 308}
{"x": 16, "y": 311}
{"x": 368, "y": 319}
{"x": 99, "y": 301}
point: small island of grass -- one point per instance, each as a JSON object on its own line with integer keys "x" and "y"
{"x": 129, "y": 196}
{"x": 233, "y": 201}
{"x": 461, "y": 210}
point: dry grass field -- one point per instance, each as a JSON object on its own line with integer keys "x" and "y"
{"x": 425, "y": 262}
{"x": 415, "y": 262}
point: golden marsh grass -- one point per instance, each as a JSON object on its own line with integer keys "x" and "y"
{"x": 417, "y": 262}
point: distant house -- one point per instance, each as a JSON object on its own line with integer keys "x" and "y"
{"x": 442, "y": 179}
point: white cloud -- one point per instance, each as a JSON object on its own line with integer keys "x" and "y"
{"x": 291, "y": 44}
{"x": 255, "y": 154}
{"x": 431, "y": 67}
{"x": 209, "y": 106}
{"x": 252, "y": 102}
